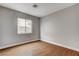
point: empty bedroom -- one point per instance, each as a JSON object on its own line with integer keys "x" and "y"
{"x": 39, "y": 29}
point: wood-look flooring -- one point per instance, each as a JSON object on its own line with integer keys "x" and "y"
{"x": 38, "y": 48}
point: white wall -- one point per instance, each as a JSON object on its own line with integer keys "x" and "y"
{"x": 62, "y": 27}
{"x": 8, "y": 27}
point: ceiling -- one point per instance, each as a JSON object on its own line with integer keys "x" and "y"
{"x": 43, "y": 9}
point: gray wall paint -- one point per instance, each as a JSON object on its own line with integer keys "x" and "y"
{"x": 8, "y": 27}
{"x": 62, "y": 27}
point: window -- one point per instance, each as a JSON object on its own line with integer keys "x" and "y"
{"x": 24, "y": 26}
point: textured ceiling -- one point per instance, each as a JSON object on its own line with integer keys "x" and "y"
{"x": 43, "y": 9}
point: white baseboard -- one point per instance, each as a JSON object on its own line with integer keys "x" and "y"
{"x": 75, "y": 49}
{"x": 7, "y": 46}
{"x": 3, "y": 47}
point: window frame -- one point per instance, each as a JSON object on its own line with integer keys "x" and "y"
{"x": 25, "y": 31}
